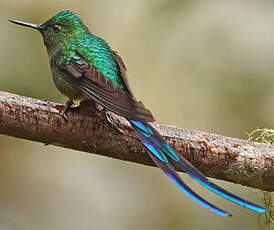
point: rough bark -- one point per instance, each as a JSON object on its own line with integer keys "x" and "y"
{"x": 86, "y": 129}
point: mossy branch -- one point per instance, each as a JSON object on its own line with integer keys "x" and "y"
{"x": 86, "y": 129}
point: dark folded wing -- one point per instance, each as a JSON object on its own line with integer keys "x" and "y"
{"x": 122, "y": 70}
{"x": 104, "y": 91}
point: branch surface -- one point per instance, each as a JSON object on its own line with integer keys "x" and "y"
{"x": 86, "y": 129}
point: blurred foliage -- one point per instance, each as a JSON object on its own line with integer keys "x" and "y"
{"x": 200, "y": 64}
{"x": 262, "y": 135}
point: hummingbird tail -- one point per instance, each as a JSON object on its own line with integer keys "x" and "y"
{"x": 159, "y": 150}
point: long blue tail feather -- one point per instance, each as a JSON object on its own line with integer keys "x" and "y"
{"x": 158, "y": 148}
{"x": 175, "y": 178}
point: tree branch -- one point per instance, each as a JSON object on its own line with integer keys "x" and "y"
{"x": 86, "y": 129}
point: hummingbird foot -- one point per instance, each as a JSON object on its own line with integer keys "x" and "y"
{"x": 87, "y": 105}
{"x": 111, "y": 118}
{"x": 67, "y": 107}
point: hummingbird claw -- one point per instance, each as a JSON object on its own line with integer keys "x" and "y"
{"x": 110, "y": 116}
{"x": 67, "y": 107}
{"x": 64, "y": 115}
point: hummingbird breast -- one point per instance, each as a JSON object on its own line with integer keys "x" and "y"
{"x": 65, "y": 86}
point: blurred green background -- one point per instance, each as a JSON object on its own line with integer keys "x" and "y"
{"x": 199, "y": 64}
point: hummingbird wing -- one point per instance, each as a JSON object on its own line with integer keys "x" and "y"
{"x": 122, "y": 69}
{"x": 102, "y": 90}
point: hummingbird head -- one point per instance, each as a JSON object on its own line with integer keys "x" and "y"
{"x": 59, "y": 30}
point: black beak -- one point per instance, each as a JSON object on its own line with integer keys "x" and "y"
{"x": 34, "y": 26}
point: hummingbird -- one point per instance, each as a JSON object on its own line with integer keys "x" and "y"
{"x": 85, "y": 67}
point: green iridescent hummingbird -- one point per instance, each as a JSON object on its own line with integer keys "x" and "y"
{"x": 84, "y": 67}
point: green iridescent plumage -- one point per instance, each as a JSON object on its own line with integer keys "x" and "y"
{"x": 75, "y": 37}
{"x": 85, "y": 67}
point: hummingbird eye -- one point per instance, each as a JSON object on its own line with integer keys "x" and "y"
{"x": 56, "y": 27}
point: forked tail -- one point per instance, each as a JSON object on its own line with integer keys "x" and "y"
{"x": 159, "y": 150}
